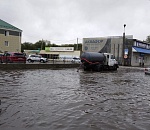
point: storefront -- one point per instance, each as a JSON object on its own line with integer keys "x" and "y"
{"x": 113, "y": 44}
{"x": 60, "y": 53}
{"x": 140, "y": 53}
{"x": 130, "y": 53}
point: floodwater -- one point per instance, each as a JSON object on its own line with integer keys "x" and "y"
{"x": 65, "y": 99}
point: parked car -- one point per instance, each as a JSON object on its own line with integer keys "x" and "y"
{"x": 12, "y": 57}
{"x": 1, "y": 56}
{"x": 147, "y": 70}
{"x": 36, "y": 58}
{"x": 76, "y": 60}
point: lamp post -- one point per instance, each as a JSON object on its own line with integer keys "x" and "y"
{"x": 124, "y": 27}
{"x": 77, "y": 44}
{"x": 41, "y": 44}
{"x": 123, "y": 47}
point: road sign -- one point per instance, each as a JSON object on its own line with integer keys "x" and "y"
{"x": 125, "y": 56}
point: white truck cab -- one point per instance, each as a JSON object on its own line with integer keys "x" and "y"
{"x": 110, "y": 59}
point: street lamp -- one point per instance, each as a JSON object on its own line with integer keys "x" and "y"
{"x": 123, "y": 47}
{"x": 124, "y": 27}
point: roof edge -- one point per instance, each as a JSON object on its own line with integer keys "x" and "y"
{"x": 8, "y": 26}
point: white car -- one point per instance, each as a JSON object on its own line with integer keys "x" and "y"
{"x": 147, "y": 70}
{"x": 36, "y": 58}
{"x": 76, "y": 60}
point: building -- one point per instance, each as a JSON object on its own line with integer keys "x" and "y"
{"x": 137, "y": 52}
{"x": 10, "y": 37}
{"x": 127, "y": 51}
{"x": 60, "y": 52}
{"x": 56, "y": 52}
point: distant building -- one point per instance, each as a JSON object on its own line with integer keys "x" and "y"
{"x": 60, "y": 52}
{"x": 130, "y": 52}
{"x": 10, "y": 37}
{"x": 56, "y": 52}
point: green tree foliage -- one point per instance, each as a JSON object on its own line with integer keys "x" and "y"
{"x": 36, "y": 46}
{"x": 40, "y": 45}
{"x": 148, "y": 39}
{"x": 80, "y": 46}
{"x": 27, "y": 46}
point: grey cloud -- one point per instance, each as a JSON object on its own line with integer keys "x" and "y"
{"x": 62, "y": 20}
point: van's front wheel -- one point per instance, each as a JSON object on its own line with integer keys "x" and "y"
{"x": 115, "y": 67}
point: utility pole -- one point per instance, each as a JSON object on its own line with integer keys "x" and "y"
{"x": 41, "y": 44}
{"x": 77, "y": 44}
{"x": 123, "y": 47}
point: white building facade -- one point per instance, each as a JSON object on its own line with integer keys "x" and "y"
{"x": 130, "y": 52}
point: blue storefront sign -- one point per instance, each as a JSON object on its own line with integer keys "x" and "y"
{"x": 126, "y": 51}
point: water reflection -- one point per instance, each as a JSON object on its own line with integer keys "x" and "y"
{"x": 71, "y": 100}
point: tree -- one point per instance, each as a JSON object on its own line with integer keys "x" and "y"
{"x": 26, "y": 46}
{"x": 148, "y": 39}
{"x": 41, "y": 44}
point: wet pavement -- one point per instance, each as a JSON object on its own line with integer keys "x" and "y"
{"x": 65, "y": 99}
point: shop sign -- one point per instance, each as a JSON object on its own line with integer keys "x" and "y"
{"x": 61, "y": 48}
{"x": 125, "y": 56}
{"x": 54, "y": 49}
{"x": 126, "y": 51}
{"x": 93, "y": 41}
{"x": 142, "y": 45}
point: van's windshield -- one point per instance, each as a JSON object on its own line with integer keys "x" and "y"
{"x": 112, "y": 57}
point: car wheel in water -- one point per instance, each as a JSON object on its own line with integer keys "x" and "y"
{"x": 42, "y": 61}
{"x": 29, "y": 60}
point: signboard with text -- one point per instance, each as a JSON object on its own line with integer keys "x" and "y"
{"x": 142, "y": 45}
{"x": 54, "y": 49}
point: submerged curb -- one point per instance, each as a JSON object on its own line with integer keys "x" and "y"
{"x": 36, "y": 66}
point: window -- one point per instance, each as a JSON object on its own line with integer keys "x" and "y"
{"x": 112, "y": 57}
{"x": 32, "y": 56}
{"x": 6, "y": 33}
{"x": 6, "y": 43}
{"x": 19, "y": 54}
{"x": 39, "y": 56}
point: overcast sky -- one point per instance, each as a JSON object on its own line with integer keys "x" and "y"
{"x": 63, "y": 21}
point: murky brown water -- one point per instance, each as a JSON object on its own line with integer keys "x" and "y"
{"x": 70, "y": 100}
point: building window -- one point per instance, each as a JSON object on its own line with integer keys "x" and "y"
{"x": 6, "y": 33}
{"x": 6, "y": 43}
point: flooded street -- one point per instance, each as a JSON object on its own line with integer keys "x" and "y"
{"x": 65, "y": 99}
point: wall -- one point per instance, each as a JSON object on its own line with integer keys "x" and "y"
{"x": 135, "y": 59}
{"x": 14, "y": 43}
{"x": 105, "y": 45}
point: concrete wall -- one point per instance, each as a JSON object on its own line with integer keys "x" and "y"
{"x": 112, "y": 45}
{"x": 117, "y": 47}
{"x": 14, "y": 43}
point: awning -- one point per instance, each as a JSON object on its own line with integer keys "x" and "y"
{"x": 141, "y": 50}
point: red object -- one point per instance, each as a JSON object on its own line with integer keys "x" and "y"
{"x": 13, "y": 57}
